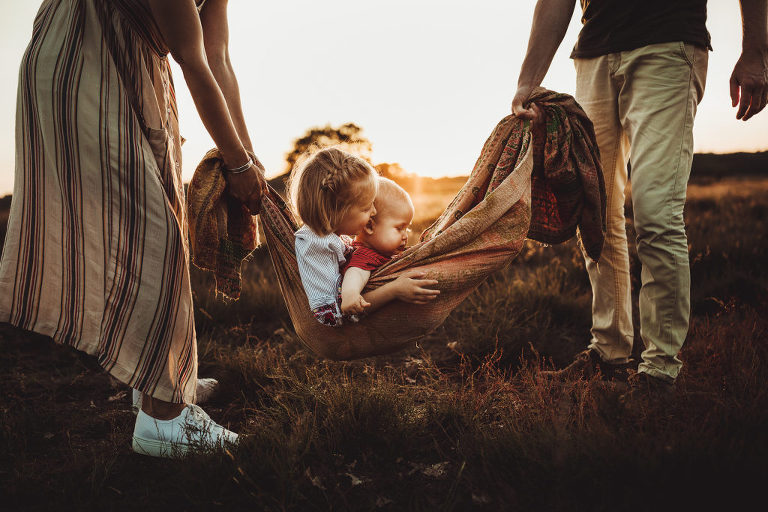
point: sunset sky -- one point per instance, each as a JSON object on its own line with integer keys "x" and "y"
{"x": 426, "y": 79}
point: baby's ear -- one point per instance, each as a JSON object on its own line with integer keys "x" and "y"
{"x": 369, "y": 227}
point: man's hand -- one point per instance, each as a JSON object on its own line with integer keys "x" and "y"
{"x": 518, "y": 103}
{"x": 353, "y": 305}
{"x": 749, "y": 83}
{"x": 550, "y": 22}
{"x": 519, "y": 109}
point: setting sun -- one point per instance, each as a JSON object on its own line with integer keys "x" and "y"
{"x": 426, "y": 81}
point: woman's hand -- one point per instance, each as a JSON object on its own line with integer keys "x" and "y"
{"x": 199, "y": 43}
{"x": 411, "y": 287}
{"x": 248, "y": 186}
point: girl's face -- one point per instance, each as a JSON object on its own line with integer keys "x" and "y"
{"x": 358, "y": 216}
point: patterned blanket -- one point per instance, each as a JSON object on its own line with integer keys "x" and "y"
{"x": 516, "y": 190}
{"x": 222, "y": 232}
{"x": 567, "y": 184}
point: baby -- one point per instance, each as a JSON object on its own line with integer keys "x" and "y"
{"x": 334, "y": 193}
{"x": 383, "y": 236}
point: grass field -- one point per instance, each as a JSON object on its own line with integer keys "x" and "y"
{"x": 460, "y": 421}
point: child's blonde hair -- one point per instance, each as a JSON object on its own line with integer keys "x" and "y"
{"x": 327, "y": 185}
{"x": 388, "y": 194}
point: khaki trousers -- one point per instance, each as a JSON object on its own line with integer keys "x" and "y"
{"x": 642, "y": 103}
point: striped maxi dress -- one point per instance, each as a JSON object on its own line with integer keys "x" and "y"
{"x": 96, "y": 251}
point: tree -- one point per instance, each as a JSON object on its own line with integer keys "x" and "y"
{"x": 347, "y": 136}
{"x": 392, "y": 171}
{"x": 396, "y": 173}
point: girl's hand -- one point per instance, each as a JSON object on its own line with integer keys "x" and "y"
{"x": 248, "y": 186}
{"x": 410, "y": 287}
{"x": 354, "y": 305}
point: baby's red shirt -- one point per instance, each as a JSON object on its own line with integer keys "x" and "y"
{"x": 365, "y": 258}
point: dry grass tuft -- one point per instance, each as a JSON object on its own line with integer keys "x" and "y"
{"x": 463, "y": 421}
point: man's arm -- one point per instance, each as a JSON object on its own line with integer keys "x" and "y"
{"x": 749, "y": 80}
{"x": 550, "y": 22}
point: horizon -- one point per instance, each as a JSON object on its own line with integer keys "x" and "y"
{"x": 425, "y": 103}
{"x": 411, "y": 176}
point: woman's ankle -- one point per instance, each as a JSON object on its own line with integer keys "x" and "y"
{"x": 159, "y": 409}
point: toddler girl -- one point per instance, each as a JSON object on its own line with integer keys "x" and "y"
{"x": 333, "y": 194}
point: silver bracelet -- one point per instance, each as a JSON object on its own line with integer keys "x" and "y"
{"x": 237, "y": 170}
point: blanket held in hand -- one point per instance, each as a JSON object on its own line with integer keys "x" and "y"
{"x": 541, "y": 186}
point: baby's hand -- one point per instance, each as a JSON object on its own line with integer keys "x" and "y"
{"x": 353, "y": 305}
{"x": 411, "y": 287}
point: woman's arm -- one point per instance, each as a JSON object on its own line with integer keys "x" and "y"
{"x": 182, "y": 32}
{"x": 213, "y": 19}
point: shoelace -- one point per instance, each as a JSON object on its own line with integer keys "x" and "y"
{"x": 198, "y": 412}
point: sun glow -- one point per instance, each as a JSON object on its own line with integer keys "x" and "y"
{"x": 427, "y": 81}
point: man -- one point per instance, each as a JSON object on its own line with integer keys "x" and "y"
{"x": 640, "y": 73}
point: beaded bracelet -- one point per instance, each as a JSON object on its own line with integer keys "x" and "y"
{"x": 237, "y": 170}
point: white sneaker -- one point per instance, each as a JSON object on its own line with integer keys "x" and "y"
{"x": 192, "y": 430}
{"x": 205, "y": 389}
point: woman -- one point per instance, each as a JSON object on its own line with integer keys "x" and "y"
{"x": 96, "y": 252}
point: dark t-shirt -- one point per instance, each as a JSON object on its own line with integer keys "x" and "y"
{"x": 619, "y": 25}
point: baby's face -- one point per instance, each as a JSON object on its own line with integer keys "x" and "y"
{"x": 389, "y": 228}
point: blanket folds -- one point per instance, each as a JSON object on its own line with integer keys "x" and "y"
{"x": 542, "y": 186}
{"x": 222, "y": 232}
{"x": 567, "y": 184}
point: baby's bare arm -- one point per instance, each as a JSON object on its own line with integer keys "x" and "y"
{"x": 351, "y": 286}
{"x": 409, "y": 287}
